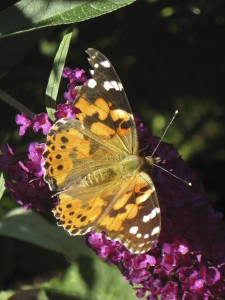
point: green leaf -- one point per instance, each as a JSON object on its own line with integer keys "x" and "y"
{"x": 2, "y": 185}
{"x": 91, "y": 279}
{"x": 56, "y": 75}
{"x": 27, "y": 15}
{"x": 110, "y": 284}
{"x": 86, "y": 279}
{"x": 5, "y": 295}
{"x": 30, "y": 227}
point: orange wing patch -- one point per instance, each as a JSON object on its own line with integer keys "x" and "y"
{"x": 78, "y": 216}
{"x": 102, "y": 118}
{"x": 102, "y": 129}
{"x": 63, "y": 147}
{"x": 122, "y": 119}
{"x": 99, "y": 107}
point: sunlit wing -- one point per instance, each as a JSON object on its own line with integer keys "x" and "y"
{"x": 126, "y": 209}
{"x": 73, "y": 151}
{"x": 134, "y": 218}
{"x": 104, "y": 107}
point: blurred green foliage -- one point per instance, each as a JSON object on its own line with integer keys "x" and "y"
{"x": 168, "y": 54}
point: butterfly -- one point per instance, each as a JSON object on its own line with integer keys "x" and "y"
{"x": 93, "y": 164}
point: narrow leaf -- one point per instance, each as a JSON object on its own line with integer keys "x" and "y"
{"x": 56, "y": 75}
{"x": 2, "y": 185}
{"x": 27, "y": 15}
{"x": 30, "y": 227}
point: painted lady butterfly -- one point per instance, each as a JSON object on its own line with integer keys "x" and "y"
{"x": 92, "y": 162}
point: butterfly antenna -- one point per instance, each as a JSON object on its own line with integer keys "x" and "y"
{"x": 187, "y": 182}
{"x": 171, "y": 121}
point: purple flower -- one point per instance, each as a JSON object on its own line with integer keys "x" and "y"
{"x": 41, "y": 121}
{"x": 75, "y": 76}
{"x": 67, "y": 110}
{"x": 188, "y": 262}
{"x": 24, "y": 179}
{"x": 34, "y": 165}
{"x": 5, "y": 157}
{"x": 24, "y": 122}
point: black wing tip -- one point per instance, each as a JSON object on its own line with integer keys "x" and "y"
{"x": 95, "y": 56}
{"x": 91, "y": 52}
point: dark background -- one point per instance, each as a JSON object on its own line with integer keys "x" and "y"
{"x": 169, "y": 55}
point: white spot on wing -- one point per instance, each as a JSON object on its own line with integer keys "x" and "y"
{"x": 141, "y": 245}
{"x": 133, "y": 229}
{"x": 139, "y": 235}
{"x": 146, "y": 218}
{"x": 122, "y": 114}
{"x": 152, "y": 215}
{"x": 120, "y": 86}
{"x": 155, "y": 230}
{"x": 146, "y": 236}
{"x": 96, "y": 65}
{"x": 105, "y": 64}
{"x": 107, "y": 85}
{"x": 112, "y": 85}
{"x": 115, "y": 85}
{"x": 91, "y": 83}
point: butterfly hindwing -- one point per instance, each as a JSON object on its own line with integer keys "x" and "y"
{"x": 127, "y": 210}
{"x": 134, "y": 218}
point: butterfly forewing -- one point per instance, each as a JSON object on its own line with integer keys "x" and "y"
{"x": 104, "y": 104}
{"x": 85, "y": 161}
{"x": 108, "y": 81}
{"x": 73, "y": 151}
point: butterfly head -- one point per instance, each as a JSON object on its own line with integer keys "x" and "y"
{"x": 151, "y": 161}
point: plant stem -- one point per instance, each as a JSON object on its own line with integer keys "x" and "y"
{"x": 16, "y": 104}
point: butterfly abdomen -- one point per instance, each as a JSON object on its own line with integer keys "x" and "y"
{"x": 126, "y": 167}
{"x": 99, "y": 176}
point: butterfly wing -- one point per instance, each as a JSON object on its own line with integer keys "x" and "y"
{"x": 126, "y": 209}
{"x": 103, "y": 132}
{"x": 104, "y": 107}
{"x": 81, "y": 207}
{"x": 72, "y": 152}
{"x": 134, "y": 218}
